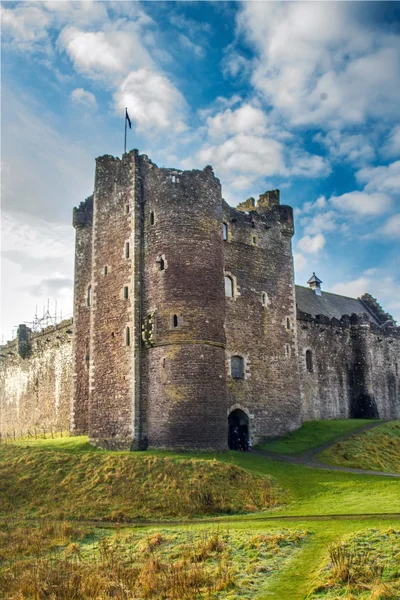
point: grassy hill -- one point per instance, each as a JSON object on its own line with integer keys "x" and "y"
{"x": 63, "y": 479}
{"x": 65, "y": 530}
{"x": 312, "y": 434}
{"x": 377, "y": 449}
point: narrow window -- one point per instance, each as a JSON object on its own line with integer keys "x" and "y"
{"x": 173, "y": 178}
{"x": 161, "y": 263}
{"x": 254, "y": 240}
{"x": 264, "y": 299}
{"x": 237, "y": 367}
{"x": 127, "y": 209}
{"x": 151, "y": 218}
{"x": 228, "y": 286}
{"x": 126, "y": 249}
{"x": 396, "y": 366}
{"x": 287, "y": 323}
{"x": 112, "y": 334}
{"x": 224, "y": 231}
{"x": 175, "y": 321}
{"x": 127, "y": 336}
{"x": 89, "y": 296}
{"x": 106, "y": 270}
{"x": 287, "y": 350}
{"x": 309, "y": 364}
{"x": 126, "y": 292}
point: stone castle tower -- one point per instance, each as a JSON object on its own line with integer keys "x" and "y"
{"x": 187, "y": 325}
{"x": 184, "y": 311}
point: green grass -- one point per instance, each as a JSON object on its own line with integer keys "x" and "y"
{"x": 66, "y": 477}
{"x": 361, "y": 566}
{"x": 124, "y": 486}
{"x": 312, "y": 434}
{"x": 377, "y": 449}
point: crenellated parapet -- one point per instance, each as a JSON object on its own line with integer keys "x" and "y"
{"x": 83, "y": 214}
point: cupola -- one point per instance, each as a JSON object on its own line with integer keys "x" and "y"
{"x": 315, "y": 284}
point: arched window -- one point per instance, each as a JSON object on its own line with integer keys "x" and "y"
{"x": 127, "y": 336}
{"x": 237, "y": 367}
{"x": 228, "y": 286}
{"x": 89, "y": 296}
{"x": 224, "y": 231}
{"x": 309, "y": 364}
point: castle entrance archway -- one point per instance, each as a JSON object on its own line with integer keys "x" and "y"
{"x": 237, "y": 420}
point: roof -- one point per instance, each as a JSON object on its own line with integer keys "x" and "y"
{"x": 314, "y": 279}
{"x": 330, "y": 305}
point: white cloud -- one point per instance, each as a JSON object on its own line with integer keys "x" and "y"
{"x": 26, "y": 27}
{"x": 187, "y": 44}
{"x": 326, "y": 221}
{"x": 152, "y": 101}
{"x": 81, "y": 96}
{"x": 354, "y": 288}
{"x": 362, "y": 203}
{"x": 107, "y": 53}
{"x": 311, "y": 244}
{"x": 300, "y": 262}
{"x": 320, "y": 63}
{"x": 382, "y": 179}
{"x": 246, "y": 119}
{"x": 245, "y": 154}
{"x": 355, "y": 149}
{"x": 391, "y": 229}
{"x": 392, "y": 146}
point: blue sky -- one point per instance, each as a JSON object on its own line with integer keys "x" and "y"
{"x": 298, "y": 96}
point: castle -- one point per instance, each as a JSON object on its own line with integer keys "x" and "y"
{"x": 187, "y": 323}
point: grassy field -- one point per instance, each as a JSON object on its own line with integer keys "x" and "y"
{"x": 267, "y": 528}
{"x": 377, "y": 449}
{"x": 312, "y": 434}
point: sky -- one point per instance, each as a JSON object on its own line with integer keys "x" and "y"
{"x": 303, "y": 97}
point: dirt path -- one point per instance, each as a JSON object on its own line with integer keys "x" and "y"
{"x": 308, "y": 457}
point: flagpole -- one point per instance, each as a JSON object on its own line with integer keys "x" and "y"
{"x": 125, "y": 131}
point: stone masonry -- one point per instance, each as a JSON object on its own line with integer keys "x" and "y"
{"x": 187, "y": 323}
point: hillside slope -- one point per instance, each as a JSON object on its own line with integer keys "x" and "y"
{"x": 377, "y": 449}
{"x": 124, "y": 486}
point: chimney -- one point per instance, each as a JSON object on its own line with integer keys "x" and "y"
{"x": 315, "y": 284}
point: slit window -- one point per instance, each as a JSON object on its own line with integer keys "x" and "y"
{"x": 106, "y": 270}
{"x": 126, "y": 249}
{"x": 89, "y": 296}
{"x": 126, "y": 292}
{"x": 228, "y": 286}
{"x": 254, "y": 240}
{"x": 175, "y": 321}
{"x": 127, "y": 209}
{"x": 264, "y": 299}
{"x": 127, "y": 336}
{"x": 287, "y": 350}
{"x": 152, "y": 218}
{"x": 224, "y": 232}
{"x": 237, "y": 367}
{"x": 287, "y": 323}
{"x": 161, "y": 263}
{"x": 309, "y": 362}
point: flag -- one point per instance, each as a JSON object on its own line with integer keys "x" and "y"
{"x": 128, "y": 119}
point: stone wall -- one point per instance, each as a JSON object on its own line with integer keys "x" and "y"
{"x": 83, "y": 223}
{"x": 354, "y": 371}
{"x": 261, "y": 317}
{"x": 36, "y": 391}
{"x": 184, "y": 306}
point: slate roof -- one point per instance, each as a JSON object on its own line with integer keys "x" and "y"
{"x": 330, "y": 305}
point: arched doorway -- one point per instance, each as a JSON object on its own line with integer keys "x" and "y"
{"x": 237, "y": 419}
